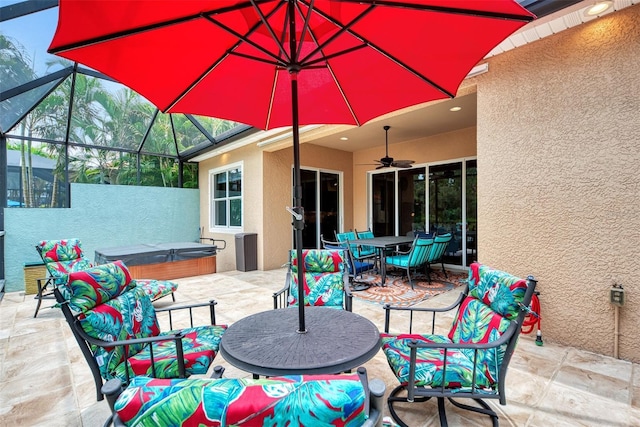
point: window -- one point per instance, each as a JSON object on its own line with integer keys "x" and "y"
{"x": 444, "y": 200}
{"x": 226, "y": 198}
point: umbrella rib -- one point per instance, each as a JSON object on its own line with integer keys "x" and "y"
{"x": 409, "y": 68}
{"x": 266, "y": 24}
{"x": 305, "y": 27}
{"x": 150, "y": 27}
{"x": 230, "y": 51}
{"x": 245, "y": 39}
{"x": 335, "y": 80}
{"x": 342, "y": 29}
{"x": 448, "y": 10}
{"x": 387, "y": 55}
{"x": 324, "y": 58}
{"x": 271, "y": 99}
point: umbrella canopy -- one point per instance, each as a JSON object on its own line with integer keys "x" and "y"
{"x": 274, "y": 63}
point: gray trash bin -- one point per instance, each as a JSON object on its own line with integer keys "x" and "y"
{"x": 246, "y": 251}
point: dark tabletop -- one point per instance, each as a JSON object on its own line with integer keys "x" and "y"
{"x": 268, "y": 343}
{"x": 383, "y": 241}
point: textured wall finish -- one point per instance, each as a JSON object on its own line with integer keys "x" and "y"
{"x": 558, "y": 182}
{"x": 267, "y": 189}
{"x": 278, "y": 192}
{"x": 446, "y": 146}
{"x": 101, "y": 216}
{"x": 252, "y": 198}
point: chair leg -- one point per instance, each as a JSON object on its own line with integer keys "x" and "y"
{"x": 485, "y": 409}
{"x": 393, "y": 398}
{"x": 39, "y": 298}
{"x": 444, "y": 271}
{"x": 429, "y": 272}
{"x": 442, "y": 413}
{"x": 409, "y": 276}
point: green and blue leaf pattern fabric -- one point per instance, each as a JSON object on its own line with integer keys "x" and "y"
{"x": 477, "y": 323}
{"x": 498, "y": 289}
{"x": 323, "y": 278}
{"x": 130, "y": 315}
{"x": 485, "y": 314}
{"x": 200, "y": 345}
{"x": 97, "y": 285}
{"x": 156, "y": 288}
{"x": 62, "y": 257}
{"x": 315, "y": 400}
{"x": 430, "y": 365}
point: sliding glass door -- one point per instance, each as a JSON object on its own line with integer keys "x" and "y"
{"x": 383, "y": 206}
{"x": 438, "y": 199}
{"x": 321, "y": 202}
{"x": 411, "y": 200}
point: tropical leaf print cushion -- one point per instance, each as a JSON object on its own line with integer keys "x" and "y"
{"x": 97, "y": 285}
{"x": 323, "y": 278}
{"x": 130, "y": 315}
{"x": 430, "y": 368}
{"x": 315, "y": 400}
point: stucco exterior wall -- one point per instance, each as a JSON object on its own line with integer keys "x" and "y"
{"x": 558, "y": 184}
{"x": 101, "y": 216}
{"x": 450, "y": 145}
{"x": 267, "y": 190}
{"x": 278, "y": 192}
{"x": 253, "y": 203}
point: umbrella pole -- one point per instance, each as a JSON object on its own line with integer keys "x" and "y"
{"x": 298, "y": 224}
{"x": 297, "y": 199}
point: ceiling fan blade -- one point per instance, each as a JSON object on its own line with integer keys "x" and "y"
{"x": 401, "y": 165}
{"x": 408, "y": 162}
{"x": 382, "y": 167}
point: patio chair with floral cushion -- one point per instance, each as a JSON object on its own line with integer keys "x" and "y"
{"x": 118, "y": 331}
{"x": 471, "y": 360}
{"x": 65, "y": 256}
{"x": 326, "y": 280}
{"x": 350, "y": 400}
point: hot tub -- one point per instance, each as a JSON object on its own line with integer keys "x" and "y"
{"x": 163, "y": 261}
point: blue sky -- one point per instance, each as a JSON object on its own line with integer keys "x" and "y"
{"x": 34, "y": 32}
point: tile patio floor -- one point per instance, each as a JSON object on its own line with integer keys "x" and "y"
{"x": 44, "y": 380}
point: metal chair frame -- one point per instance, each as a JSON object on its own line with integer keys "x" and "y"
{"x": 422, "y": 394}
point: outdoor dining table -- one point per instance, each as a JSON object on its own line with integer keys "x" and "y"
{"x": 269, "y": 344}
{"x": 382, "y": 243}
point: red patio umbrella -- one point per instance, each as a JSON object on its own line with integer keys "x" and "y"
{"x": 274, "y": 63}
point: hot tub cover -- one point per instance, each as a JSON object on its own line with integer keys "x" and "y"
{"x": 147, "y": 253}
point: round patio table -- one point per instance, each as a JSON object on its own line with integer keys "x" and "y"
{"x": 268, "y": 343}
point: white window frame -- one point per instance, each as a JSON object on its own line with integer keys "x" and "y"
{"x": 225, "y": 229}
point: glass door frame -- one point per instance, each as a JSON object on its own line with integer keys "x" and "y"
{"x": 396, "y": 225}
{"x": 340, "y": 222}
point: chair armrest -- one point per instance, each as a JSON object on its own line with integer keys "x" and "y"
{"x": 169, "y": 310}
{"x": 400, "y": 252}
{"x": 433, "y": 310}
{"x": 504, "y": 338}
{"x": 177, "y": 338}
{"x": 348, "y": 296}
{"x": 280, "y": 298}
{"x": 102, "y": 343}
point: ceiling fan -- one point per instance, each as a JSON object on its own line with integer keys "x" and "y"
{"x": 386, "y": 161}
